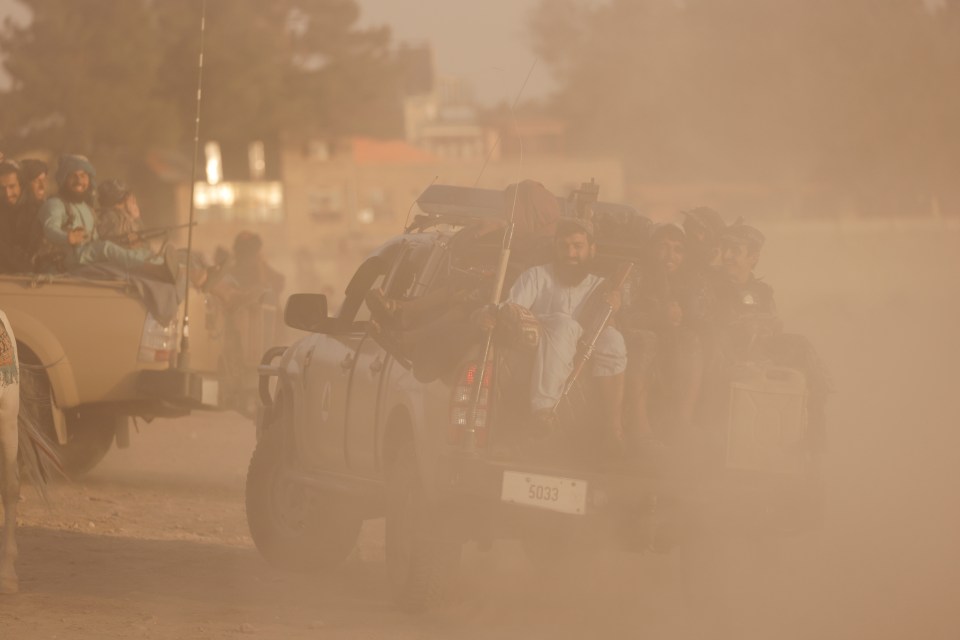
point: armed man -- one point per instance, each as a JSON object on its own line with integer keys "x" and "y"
{"x": 557, "y": 293}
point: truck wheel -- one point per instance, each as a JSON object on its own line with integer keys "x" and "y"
{"x": 421, "y": 560}
{"x": 89, "y": 435}
{"x": 89, "y": 438}
{"x": 293, "y": 526}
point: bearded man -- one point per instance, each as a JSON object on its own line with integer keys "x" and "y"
{"x": 557, "y": 294}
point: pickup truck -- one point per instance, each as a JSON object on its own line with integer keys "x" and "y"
{"x": 350, "y": 432}
{"x": 92, "y": 355}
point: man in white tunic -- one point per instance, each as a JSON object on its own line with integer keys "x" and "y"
{"x": 556, "y": 293}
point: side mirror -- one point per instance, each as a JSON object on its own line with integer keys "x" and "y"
{"x": 307, "y": 311}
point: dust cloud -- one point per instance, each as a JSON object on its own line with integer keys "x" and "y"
{"x": 154, "y": 542}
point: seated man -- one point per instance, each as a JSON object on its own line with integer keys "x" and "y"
{"x": 118, "y": 219}
{"x": 557, "y": 294}
{"x": 69, "y": 225}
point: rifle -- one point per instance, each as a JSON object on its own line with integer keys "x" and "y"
{"x": 494, "y": 302}
{"x": 147, "y": 234}
{"x": 588, "y": 343}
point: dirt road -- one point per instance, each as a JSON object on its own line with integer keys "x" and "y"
{"x": 154, "y": 544}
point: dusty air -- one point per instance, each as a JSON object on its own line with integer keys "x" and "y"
{"x": 529, "y": 319}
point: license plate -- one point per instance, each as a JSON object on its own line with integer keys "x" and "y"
{"x": 565, "y": 495}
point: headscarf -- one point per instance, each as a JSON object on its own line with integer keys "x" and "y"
{"x": 70, "y": 164}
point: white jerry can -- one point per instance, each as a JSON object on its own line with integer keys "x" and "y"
{"x": 767, "y": 422}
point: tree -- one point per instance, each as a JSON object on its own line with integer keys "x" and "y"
{"x": 857, "y": 95}
{"x": 83, "y": 78}
{"x": 117, "y": 77}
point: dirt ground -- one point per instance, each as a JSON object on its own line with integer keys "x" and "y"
{"x": 154, "y": 543}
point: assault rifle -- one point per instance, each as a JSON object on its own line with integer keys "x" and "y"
{"x": 588, "y": 343}
{"x": 147, "y": 234}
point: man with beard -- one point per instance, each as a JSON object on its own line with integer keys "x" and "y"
{"x": 69, "y": 224}
{"x": 15, "y": 215}
{"x": 557, "y": 294}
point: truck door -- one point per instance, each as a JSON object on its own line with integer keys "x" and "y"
{"x": 328, "y": 371}
{"x": 326, "y": 377}
{"x": 365, "y": 410}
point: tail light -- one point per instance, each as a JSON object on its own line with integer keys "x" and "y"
{"x": 465, "y": 416}
{"x": 158, "y": 342}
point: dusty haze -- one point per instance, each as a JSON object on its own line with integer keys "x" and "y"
{"x": 154, "y": 542}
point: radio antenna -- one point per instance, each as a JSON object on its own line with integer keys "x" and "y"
{"x": 183, "y": 360}
{"x": 513, "y": 107}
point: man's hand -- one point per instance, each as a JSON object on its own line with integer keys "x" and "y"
{"x": 614, "y": 299}
{"x": 76, "y": 237}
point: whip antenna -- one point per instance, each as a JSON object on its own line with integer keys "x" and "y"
{"x": 183, "y": 360}
{"x": 513, "y": 119}
{"x": 499, "y": 278}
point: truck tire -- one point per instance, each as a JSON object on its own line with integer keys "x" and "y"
{"x": 89, "y": 435}
{"x": 294, "y": 526}
{"x": 422, "y": 560}
{"x": 89, "y": 438}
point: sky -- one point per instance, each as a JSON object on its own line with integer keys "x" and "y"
{"x": 483, "y": 42}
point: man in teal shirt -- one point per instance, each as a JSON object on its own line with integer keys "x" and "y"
{"x": 69, "y": 224}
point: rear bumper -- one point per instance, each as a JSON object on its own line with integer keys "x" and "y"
{"x": 187, "y": 389}
{"x": 757, "y": 504}
{"x": 464, "y": 477}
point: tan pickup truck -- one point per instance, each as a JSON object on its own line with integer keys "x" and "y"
{"x": 93, "y": 356}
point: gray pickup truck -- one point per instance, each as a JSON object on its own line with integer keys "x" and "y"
{"x": 350, "y": 432}
{"x": 93, "y": 355}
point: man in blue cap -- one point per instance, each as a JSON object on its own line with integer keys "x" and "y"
{"x": 69, "y": 225}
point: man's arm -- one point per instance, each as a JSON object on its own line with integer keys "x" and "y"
{"x": 53, "y": 216}
{"x": 524, "y": 291}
